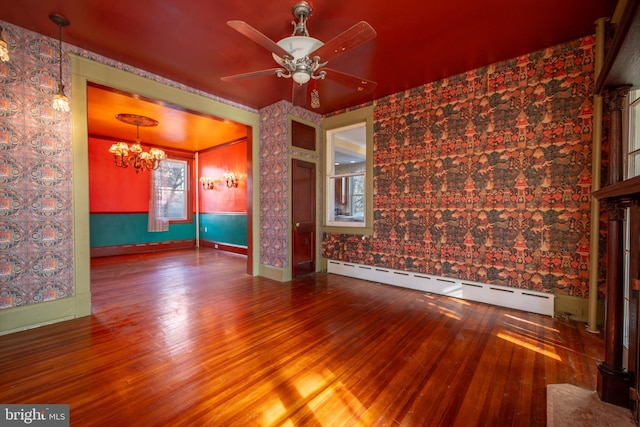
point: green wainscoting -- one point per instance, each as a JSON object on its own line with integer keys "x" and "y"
{"x": 127, "y": 229}
{"x": 230, "y": 228}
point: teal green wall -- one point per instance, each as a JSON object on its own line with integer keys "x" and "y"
{"x": 127, "y": 229}
{"x": 224, "y": 228}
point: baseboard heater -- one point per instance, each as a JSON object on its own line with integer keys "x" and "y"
{"x": 503, "y": 296}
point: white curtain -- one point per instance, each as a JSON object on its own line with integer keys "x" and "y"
{"x": 157, "y": 210}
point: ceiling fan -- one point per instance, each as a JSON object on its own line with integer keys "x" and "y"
{"x": 303, "y": 58}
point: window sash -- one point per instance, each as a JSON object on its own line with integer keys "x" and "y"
{"x": 354, "y": 160}
{"x": 175, "y": 197}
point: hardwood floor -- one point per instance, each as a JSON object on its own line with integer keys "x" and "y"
{"x": 187, "y": 338}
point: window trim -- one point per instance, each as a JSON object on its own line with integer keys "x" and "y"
{"x": 330, "y": 125}
{"x": 188, "y": 185}
{"x": 631, "y": 123}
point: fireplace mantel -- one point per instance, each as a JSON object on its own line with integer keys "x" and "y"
{"x": 628, "y": 189}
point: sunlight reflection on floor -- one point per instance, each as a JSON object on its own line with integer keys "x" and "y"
{"x": 323, "y": 395}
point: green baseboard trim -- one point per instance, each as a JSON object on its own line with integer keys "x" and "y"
{"x": 273, "y": 273}
{"x": 576, "y": 308}
{"x": 34, "y": 315}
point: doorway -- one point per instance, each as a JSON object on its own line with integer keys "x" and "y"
{"x": 118, "y": 211}
{"x": 84, "y": 71}
{"x": 303, "y": 217}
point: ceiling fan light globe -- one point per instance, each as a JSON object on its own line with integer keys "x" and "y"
{"x": 301, "y": 77}
{"x": 298, "y": 47}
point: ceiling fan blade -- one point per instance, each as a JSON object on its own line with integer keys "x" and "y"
{"x": 354, "y": 36}
{"x": 299, "y": 94}
{"x": 255, "y": 35}
{"x": 269, "y": 72}
{"x": 358, "y": 83}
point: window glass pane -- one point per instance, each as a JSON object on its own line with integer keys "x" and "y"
{"x": 634, "y": 127}
{"x": 346, "y": 172}
{"x": 348, "y": 197}
{"x": 634, "y": 136}
{"x": 173, "y": 188}
{"x": 634, "y": 164}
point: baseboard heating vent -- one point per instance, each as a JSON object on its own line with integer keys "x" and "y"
{"x": 503, "y": 296}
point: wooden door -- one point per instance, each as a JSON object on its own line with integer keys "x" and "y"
{"x": 303, "y": 216}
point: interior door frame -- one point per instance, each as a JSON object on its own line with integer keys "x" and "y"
{"x": 84, "y": 70}
{"x": 304, "y": 164}
{"x": 310, "y": 157}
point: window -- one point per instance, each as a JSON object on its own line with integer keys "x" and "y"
{"x": 633, "y": 170}
{"x": 347, "y": 166}
{"x": 633, "y": 158}
{"x": 173, "y": 190}
{"x": 348, "y": 187}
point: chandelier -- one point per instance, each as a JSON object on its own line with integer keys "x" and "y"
{"x": 125, "y": 155}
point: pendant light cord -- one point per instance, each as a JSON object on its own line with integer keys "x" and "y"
{"x": 60, "y": 54}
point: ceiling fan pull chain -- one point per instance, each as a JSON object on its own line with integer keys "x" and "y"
{"x": 315, "y": 96}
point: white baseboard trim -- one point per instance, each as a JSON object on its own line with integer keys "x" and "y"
{"x": 503, "y": 296}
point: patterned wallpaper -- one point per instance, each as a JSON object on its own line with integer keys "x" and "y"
{"x": 486, "y": 176}
{"x": 36, "y": 261}
{"x": 36, "y": 241}
{"x": 274, "y": 179}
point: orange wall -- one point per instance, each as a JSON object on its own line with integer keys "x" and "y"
{"x": 114, "y": 189}
{"x": 214, "y": 163}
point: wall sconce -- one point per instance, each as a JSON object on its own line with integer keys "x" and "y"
{"x": 230, "y": 178}
{"x": 4, "y": 47}
{"x": 207, "y": 183}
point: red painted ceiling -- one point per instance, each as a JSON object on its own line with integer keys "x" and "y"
{"x": 417, "y": 41}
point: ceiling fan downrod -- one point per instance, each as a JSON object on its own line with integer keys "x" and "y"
{"x": 302, "y": 11}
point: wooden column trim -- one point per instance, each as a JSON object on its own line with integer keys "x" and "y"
{"x": 614, "y": 381}
{"x": 614, "y": 100}
{"x": 634, "y": 306}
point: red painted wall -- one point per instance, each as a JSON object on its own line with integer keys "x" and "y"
{"x": 114, "y": 189}
{"x": 215, "y": 163}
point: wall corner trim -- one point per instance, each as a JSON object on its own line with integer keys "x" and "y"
{"x": 274, "y": 273}
{"x": 34, "y": 315}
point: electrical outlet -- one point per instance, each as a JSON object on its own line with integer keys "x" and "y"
{"x": 205, "y": 229}
{"x": 215, "y": 245}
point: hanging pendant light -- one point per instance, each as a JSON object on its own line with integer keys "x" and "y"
{"x": 60, "y": 100}
{"x": 4, "y": 47}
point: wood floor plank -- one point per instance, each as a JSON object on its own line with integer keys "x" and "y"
{"x": 185, "y": 337}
